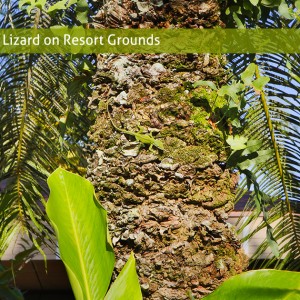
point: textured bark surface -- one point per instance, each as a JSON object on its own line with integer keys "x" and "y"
{"x": 169, "y": 207}
{"x": 159, "y": 13}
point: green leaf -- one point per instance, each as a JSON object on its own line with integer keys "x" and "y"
{"x": 248, "y": 74}
{"x": 270, "y": 3}
{"x": 297, "y": 4}
{"x": 256, "y": 158}
{"x": 232, "y": 90}
{"x": 252, "y": 146}
{"x": 272, "y": 242}
{"x": 7, "y": 293}
{"x": 285, "y": 11}
{"x": 259, "y": 285}
{"x": 24, "y": 2}
{"x": 234, "y": 158}
{"x": 204, "y": 83}
{"x": 254, "y": 2}
{"x": 260, "y": 82}
{"x": 237, "y": 142}
{"x": 238, "y": 21}
{"x": 127, "y": 283}
{"x": 82, "y": 10}
{"x": 81, "y": 227}
{"x": 57, "y": 6}
{"x": 40, "y": 4}
{"x": 71, "y": 2}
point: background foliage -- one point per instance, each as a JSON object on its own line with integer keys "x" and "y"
{"x": 43, "y": 122}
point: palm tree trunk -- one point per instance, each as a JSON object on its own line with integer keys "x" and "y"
{"x": 168, "y": 206}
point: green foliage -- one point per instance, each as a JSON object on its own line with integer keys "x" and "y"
{"x": 247, "y": 152}
{"x": 233, "y": 93}
{"x": 82, "y": 7}
{"x": 43, "y": 121}
{"x": 6, "y": 291}
{"x": 7, "y": 275}
{"x": 259, "y": 285}
{"x": 80, "y": 224}
{"x": 271, "y": 118}
{"x": 242, "y": 14}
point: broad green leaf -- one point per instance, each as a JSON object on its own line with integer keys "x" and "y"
{"x": 259, "y": 285}
{"x": 248, "y": 74}
{"x": 127, "y": 283}
{"x": 237, "y": 142}
{"x": 204, "y": 83}
{"x": 260, "y": 82}
{"x": 297, "y": 4}
{"x": 81, "y": 228}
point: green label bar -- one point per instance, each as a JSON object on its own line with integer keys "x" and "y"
{"x": 80, "y": 40}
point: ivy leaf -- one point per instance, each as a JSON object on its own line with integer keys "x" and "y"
{"x": 248, "y": 74}
{"x": 260, "y": 82}
{"x": 237, "y": 142}
{"x": 232, "y": 90}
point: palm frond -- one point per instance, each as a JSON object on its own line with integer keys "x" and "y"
{"x": 37, "y": 112}
{"x": 273, "y": 118}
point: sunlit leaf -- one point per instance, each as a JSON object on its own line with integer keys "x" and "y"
{"x": 81, "y": 228}
{"x": 237, "y": 142}
{"x": 259, "y": 285}
{"x": 259, "y": 83}
{"x": 247, "y": 75}
{"x": 127, "y": 283}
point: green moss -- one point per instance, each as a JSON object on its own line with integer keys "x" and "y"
{"x": 226, "y": 251}
{"x": 207, "y": 99}
{"x": 199, "y": 156}
{"x": 181, "y": 64}
{"x": 174, "y": 190}
{"x": 200, "y": 117}
{"x": 170, "y": 95}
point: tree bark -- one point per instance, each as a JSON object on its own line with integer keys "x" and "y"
{"x": 168, "y": 206}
